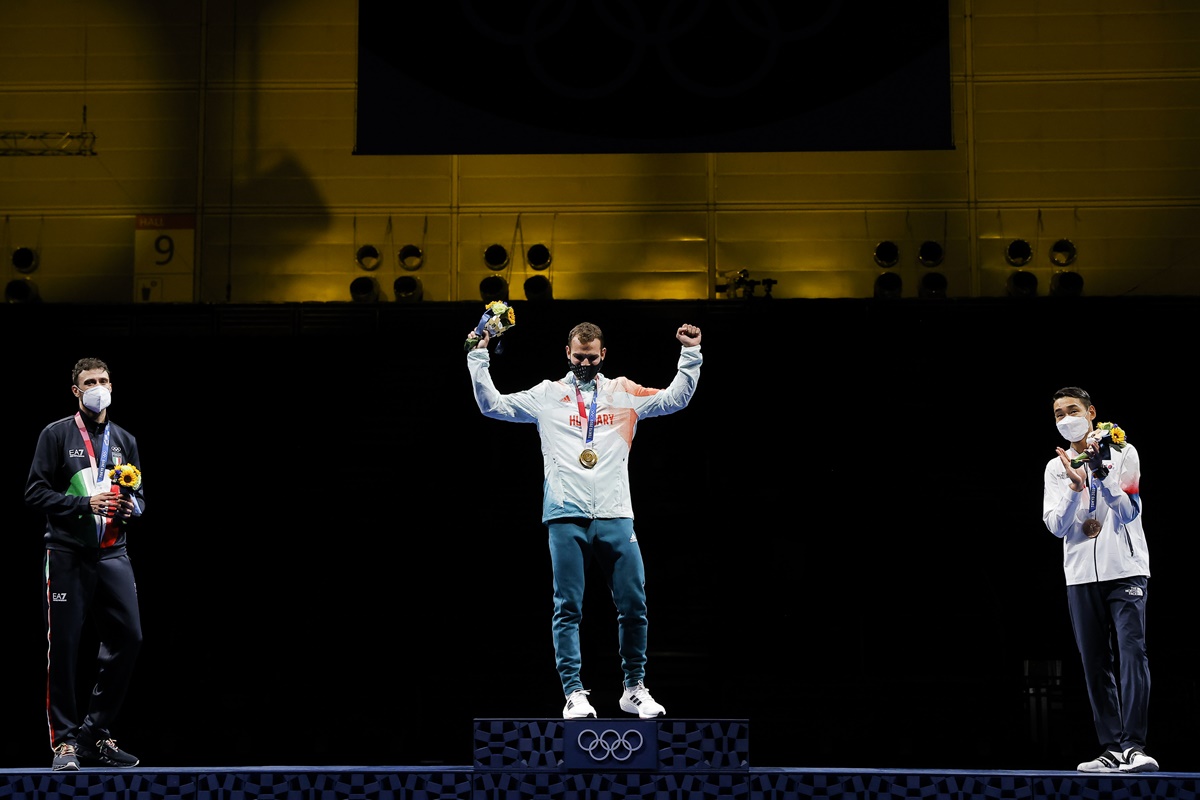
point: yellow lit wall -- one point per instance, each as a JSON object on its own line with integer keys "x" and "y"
{"x": 1074, "y": 121}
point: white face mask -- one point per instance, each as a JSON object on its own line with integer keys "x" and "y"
{"x": 1073, "y": 428}
{"x": 97, "y": 398}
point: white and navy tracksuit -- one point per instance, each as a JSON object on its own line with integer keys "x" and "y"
{"x": 1107, "y": 584}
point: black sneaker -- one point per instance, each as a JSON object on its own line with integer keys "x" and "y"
{"x": 65, "y": 757}
{"x": 105, "y": 753}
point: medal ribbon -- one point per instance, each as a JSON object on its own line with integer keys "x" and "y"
{"x": 87, "y": 442}
{"x": 591, "y": 418}
{"x": 96, "y": 465}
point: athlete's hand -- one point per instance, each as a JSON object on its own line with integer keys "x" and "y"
{"x": 688, "y": 335}
{"x": 109, "y": 504}
{"x": 1076, "y": 475}
{"x": 481, "y": 342}
{"x": 124, "y": 506}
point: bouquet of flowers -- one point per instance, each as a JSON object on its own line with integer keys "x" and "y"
{"x": 1104, "y": 431}
{"x": 498, "y": 317}
{"x": 125, "y": 476}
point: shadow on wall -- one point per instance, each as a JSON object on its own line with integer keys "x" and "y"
{"x": 284, "y": 185}
{"x": 245, "y": 268}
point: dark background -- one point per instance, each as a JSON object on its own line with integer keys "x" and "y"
{"x": 343, "y": 562}
{"x": 465, "y": 77}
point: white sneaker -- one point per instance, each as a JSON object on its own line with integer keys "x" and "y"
{"x": 577, "y": 706}
{"x": 1108, "y": 761}
{"x": 1135, "y": 760}
{"x": 637, "y": 700}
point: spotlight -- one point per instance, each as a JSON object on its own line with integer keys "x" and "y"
{"x": 930, "y": 254}
{"x": 25, "y": 260}
{"x": 1063, "y": 253}
{"x": 493, "y": 288}
{"x": 496, "y": 257}
{"x": 410, "y": 257}
{"x": 1018, "y": 252}
{"x": 408, "y": 289}
{"x": 538, "y": 256}
{"x": 888, "y": 286}
{"x": 1022, "y": 284}
{"x": 1066, "y": 283}
{"x": 21, "y": 290}
{"x": 364, "y": 289}
{"x": 932, "y": 286}
{"x": 537, "y": 287}
{"x": 367, "y": 257}
{"x": 932, "y": 283}
{"x": 887, "y": 254}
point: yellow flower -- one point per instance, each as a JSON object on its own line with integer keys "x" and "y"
{"x": 1116, "y": 435}
{"x": 126, "y": 476}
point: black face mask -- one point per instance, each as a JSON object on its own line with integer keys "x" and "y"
{"x": 584, "y": 373}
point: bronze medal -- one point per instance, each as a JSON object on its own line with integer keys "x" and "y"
{"x": 588, "y": 458}
{"x": 1091, "y": 528}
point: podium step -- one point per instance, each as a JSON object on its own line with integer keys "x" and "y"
{"x": 612, "y": 745}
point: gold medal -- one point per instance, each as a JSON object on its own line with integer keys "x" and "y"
{"x": 588, "y": 458}
{"x": 1091, "y": 528}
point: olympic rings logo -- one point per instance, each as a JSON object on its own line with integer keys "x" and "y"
{"x": 620, "y": 747}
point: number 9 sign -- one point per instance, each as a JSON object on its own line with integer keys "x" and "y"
{"x": 163, "y": 255}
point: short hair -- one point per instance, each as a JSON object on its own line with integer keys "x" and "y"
{"x": 83, "y": 365}
{"x": 1076, "y": 392}
{"x": 585, "y": 332}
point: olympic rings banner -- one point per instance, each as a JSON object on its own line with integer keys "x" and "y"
{"x": 610, "y": 744}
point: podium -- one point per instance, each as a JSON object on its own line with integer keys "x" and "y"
{"x": 526, "y": 758}
{"x": 592, "y": 759}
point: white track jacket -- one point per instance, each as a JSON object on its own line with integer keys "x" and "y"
{"x": 1120, "y": 550}
{"x": 570, "y": 489}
